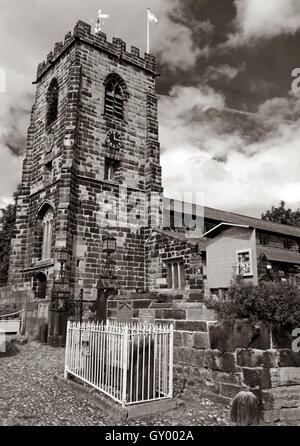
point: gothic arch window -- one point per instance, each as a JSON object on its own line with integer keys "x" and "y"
{"x": 52, "y": 102}
{"x": 45, "y": 224}
{"x": 115, "y": 96}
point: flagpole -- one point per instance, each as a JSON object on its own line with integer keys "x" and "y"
{"x": 148, "y": 32}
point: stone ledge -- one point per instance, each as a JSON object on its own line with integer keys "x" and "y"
{"x": 101, "y": 401}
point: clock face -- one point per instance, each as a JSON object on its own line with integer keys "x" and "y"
{"x": 113, "y": 139}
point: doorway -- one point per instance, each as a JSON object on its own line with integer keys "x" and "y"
{"x": 41, "y": 285}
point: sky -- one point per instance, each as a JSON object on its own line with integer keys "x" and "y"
{"x": 229, "y": 118}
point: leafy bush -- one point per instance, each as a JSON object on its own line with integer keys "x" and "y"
{"x": 277, "y": 303}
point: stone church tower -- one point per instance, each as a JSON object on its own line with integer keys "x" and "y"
{"x": 92, "y": 162}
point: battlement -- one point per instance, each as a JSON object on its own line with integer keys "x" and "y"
{"x": 117, "y": 48}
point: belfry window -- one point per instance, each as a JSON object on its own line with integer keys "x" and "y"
{"x": 47, "y": 226}
{"x": 52, "y": 102}
{"x": 115, "y": 95}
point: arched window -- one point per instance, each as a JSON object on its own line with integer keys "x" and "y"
{"x": 115, "y": 95}
{"x": 47, "y": 228}
{"x": 52, "y": 102}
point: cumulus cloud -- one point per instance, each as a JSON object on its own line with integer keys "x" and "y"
{"x": 179, "y": 43}
{"x": 233, "y": 170}
{"x": 256, "y": 19}
{"x": 28, "y": 32}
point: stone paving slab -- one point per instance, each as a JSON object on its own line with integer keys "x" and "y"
{"x": 31, "y": 396}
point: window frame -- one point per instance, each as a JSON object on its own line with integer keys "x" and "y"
{"x": 249, "y": 252}
{"x": 52, "y": 103}
{"x": 117, "y": 99}
{"x": 176, "y": 277}
{"x": 47, "y": 234}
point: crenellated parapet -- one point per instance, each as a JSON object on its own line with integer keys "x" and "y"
{"x": 82, "y": 33}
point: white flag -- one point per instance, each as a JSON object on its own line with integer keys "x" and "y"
{"x": 152, "y": 18}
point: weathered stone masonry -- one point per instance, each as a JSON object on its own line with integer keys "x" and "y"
{"x": 80, "y": 196}
{"x": 225, "y": 360}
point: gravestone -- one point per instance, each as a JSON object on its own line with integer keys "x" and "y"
{"x": 124, "y": 312}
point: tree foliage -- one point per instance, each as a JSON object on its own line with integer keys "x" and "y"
{"x": 283, "y": 215}
{"x": 277, "y": 303}
{"x": 7, "y": 223}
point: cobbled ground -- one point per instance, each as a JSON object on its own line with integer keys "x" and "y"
{"x": 31, "y": 396}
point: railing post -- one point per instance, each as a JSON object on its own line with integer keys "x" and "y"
{"x": 67, "y": 353}
{"x": 22, "y": 331}
{"x": 125, "y": 365}
{"x": 171, "y": 361}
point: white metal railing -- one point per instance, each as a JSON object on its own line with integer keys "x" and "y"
{"x": 131, "y": 363}
{"x": 11, "y": 315}
{"x": 12, "y": 322}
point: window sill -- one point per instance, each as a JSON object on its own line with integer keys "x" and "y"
{"x": 114, "y": 119}
{"x": 114, "y": 182}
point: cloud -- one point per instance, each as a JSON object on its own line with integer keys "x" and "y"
{"x": 257, "y": 19}
{"x": 30, "y": 31}
{"x": 177, "y": 41}
{"x": 225, "y": 72}
{"x": 215, "y": 154}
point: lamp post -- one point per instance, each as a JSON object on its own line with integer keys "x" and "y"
{"x": 62, "y": 257}
{"x": 59, "y": 302}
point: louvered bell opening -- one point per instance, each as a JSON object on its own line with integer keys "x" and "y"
{"x": 109, "y": 104}
{"x": 119, "y": 108}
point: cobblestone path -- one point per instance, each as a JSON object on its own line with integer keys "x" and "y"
{"x": 30, "y": 396}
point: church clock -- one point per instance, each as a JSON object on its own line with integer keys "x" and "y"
{"x": 113, "y": 139}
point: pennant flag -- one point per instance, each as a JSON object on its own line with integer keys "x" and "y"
{"x": 152, "y": 18}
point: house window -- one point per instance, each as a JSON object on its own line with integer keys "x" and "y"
{"x": 47, "y": 226}
{"x": 52, "y": 102}
{"x": 111, "y": 169}
{"x": 175, "y": 270}
{"x": 115, "y": 94}
{"x": 244, "y": 262}
{"x": 287, "y": 243}
{"x": 263, "y": 239}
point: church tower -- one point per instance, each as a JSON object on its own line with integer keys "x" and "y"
{"x": 92, "y": 168}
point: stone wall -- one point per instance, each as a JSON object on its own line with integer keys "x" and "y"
{"x": 225, "y": 360}
{"x": 161, "y": 247}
